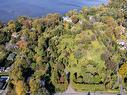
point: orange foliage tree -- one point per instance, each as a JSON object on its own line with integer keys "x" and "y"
{"x": 20, "y": 88}
{"x": 123, "y": 70}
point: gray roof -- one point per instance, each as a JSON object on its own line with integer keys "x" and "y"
{"x": 1, "y": 84}
{"x": 11, "y": 56}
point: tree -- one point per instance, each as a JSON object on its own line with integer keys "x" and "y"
{"x": 72, "y": 12}
{"x": 75, "y": 19}
{"x": 123, "y": 70}
{"x": 85, "y": 11}
{"x": 11, "y": 26}
{"x": 19, "y": 87}
{"x": 34, "y": 86}
{"x": 51, "y": 20}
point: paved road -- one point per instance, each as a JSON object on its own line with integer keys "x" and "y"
{"x": 78, "y": 93}
{"x": 71, "y": 91}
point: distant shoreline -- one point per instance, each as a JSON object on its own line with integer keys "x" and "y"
{"x": 34, "y": 11}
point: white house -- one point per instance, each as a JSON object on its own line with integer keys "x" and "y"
{"x": 80, "y": 22}
{"x": 67, "y": 19}
{"x": 122, "y": 44}
{"x": 92, "y": 19}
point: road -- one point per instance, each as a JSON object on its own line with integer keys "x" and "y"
{"x": 71, "y": 91}
{"x": 84, "y": 93}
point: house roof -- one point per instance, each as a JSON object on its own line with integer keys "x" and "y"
{"x": 67, "y": 19}
{"x": 11, "y": 56}
{"x": 2, "y": 84}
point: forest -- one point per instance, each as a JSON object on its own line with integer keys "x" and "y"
{"x": 87, "y": 48}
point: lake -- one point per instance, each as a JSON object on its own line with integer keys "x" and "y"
{"x": 11, "y": 9}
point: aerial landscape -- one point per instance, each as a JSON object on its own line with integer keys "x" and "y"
{"x": 63, "y": 47}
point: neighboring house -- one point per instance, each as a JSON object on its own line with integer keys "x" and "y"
{"x": 80, "y": 22}
{"x": 67, "y": 19}
{"x": 42, "y": 82}
{"x": 2, "y": 85}
{"x": 92, "y": 19}
{"x": 15, "y": 46}
{"x": 11, "y": 56}
{"x": 2, "y": 69}
{"x": 7, "y": 69}
{"x": 3, "y": 82}
{"x": 5, "y": 78}
{"x": 122, "y": 44}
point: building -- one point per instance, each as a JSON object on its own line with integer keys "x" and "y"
{"x": 92, "y": 19}
{"x": 80, "y": 22}
{"x": 122, "y": 44}
{"x": 67, "y": 19}
{"x": 2, "y": 69}
{"x": 3, "y": 82}
{"x": 11, "y": 56}
{"x": 7, "y": 69}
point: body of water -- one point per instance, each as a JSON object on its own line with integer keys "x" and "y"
{"x": 11, "y": 9}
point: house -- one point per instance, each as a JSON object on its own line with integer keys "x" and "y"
{"x": 11, "y": 56}
{"x": 67, "y": 19}
{"x": 15, "y": 46}
{"x": 5, "y": 78}
{"x": 2, "y": 69}
{"x": 43, "y": 81}
{"x": 7, "y": 69}
{"x": 92, "y": 19}
{"x": 3, "y": 82}
{"x": 122, "y": 44}
{"x": 80, "y": 22}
